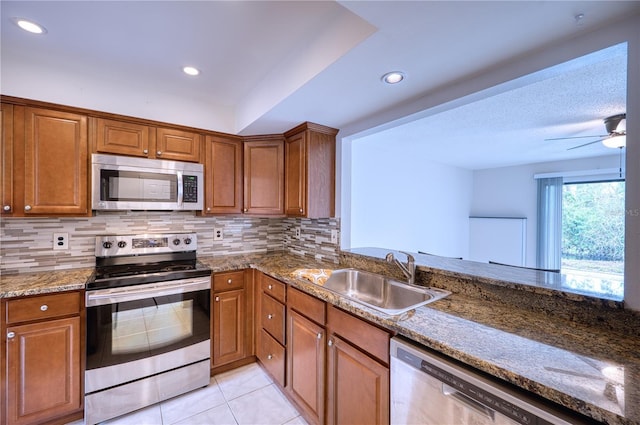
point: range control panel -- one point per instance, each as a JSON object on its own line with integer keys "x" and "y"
{"x": 117, "y": 245}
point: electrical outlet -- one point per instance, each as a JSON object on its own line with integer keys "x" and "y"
{"x": 297, "y": 233}
{"x": 217, "y": 234}
{"x": 60, "y": 241}
{"x": 334, "y": 236}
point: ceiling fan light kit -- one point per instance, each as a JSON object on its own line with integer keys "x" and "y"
{"x": 616, "y": 141}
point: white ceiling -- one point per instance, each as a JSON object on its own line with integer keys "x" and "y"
{"x": 267, "y": 66}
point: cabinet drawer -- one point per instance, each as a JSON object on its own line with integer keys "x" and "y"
{"x": 275, "y": 288}
{"x": 272, "y": 356}
{"x": 228, "y": 281}
{"x": 309, "y": 306}
{"x": 272, "y": 319}
{"x": 43, "y": 307}
{"x": 366, "y": 336}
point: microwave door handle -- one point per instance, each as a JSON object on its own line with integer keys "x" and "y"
{"x": 180, "y": 189}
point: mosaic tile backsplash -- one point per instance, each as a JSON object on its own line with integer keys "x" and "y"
{"x": 26, "y": 244}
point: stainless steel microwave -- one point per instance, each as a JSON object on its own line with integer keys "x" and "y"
{"x": 128, "y": 183}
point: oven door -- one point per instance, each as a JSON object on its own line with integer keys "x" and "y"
{"x": 139, "y": 331}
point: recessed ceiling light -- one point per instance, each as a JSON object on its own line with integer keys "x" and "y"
{"x": 30, "y": 26}
{"x": 189, "y": 70}
{"x": 393, "y": 77}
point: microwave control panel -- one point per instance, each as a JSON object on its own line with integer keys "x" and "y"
{"x": 190, "y": 188}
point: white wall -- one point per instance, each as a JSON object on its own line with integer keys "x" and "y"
{"x": 400, "y": 199}
{"x": 512, "y": 191}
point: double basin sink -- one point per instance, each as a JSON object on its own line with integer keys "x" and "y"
{"x": 381, "y": 293}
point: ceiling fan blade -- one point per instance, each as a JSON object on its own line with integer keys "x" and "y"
{"x": 577, "y": 137}
{"x": 586, "y": 144}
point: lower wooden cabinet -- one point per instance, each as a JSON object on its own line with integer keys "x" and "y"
{"x": 43, "y": 358}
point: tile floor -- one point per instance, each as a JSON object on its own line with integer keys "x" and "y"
{"x": 242, "y": 396}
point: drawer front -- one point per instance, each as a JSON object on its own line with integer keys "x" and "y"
{"x": 228, "y": 281}
{"x": 364, "y": 335}
{"x": 272, "y": 356}
{"x": 272, "y": 319}
{"x": 275, "y": 288}
{"x": 308, "y": 306}
{"x": 43, "y": 307}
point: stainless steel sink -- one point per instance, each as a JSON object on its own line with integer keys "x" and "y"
{"x": 381, "y": 293}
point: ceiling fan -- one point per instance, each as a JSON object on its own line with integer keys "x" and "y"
{"x": 616, "y": 136}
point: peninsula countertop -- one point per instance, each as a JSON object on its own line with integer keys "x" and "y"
{"x": 589, "y": 369}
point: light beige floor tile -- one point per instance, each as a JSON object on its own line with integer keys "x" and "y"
{"x": 148, "y": 416}
{"x": 194, "y": 402}
{"x": 220, "y": 415}
{"x": 266, "y": 406}
{"x": 241, "y": 381}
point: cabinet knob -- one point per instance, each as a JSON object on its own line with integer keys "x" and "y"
{"x": 270, "y": 287}
{"x": 159, "y": 153}
{"x": 44, "y": 307}
{"x": 229, "y": 281}
{"x": 301, "y": 211}
{"x": 319, "y": 336}
{"x": 330, "y": 343}
{"x": 269, "y": 316}
{"x": 217, "y": 299}
{"x": 208, "y": 209}
{"x": 245, "y": 210}
{"x": 27, "y": 207}
{"x": 269, "y": 357}
{"x": 145, "y": 151}
{"x": 6, "y": 208}
{"x": 10, "y": 335}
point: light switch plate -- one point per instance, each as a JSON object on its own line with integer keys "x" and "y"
{"x": 60, "y": 241}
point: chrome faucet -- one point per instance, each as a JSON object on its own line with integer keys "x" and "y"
{"x": 409, "y": 270}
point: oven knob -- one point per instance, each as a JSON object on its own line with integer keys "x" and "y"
{"x": 187, "y": 241}
{"x": 106, "y": 245}
{"x": 176, "y": 241}
{"x": 122, "y": 244}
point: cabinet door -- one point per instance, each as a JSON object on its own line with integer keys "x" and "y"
{"x": 357, "y": 386}
{"x": 6, "y": 158}
{"x": 43, "y": 376}
{"x": 223, "y": 175}
{"x": 264, "y": 177}
{"x": 295, "y": 175}
{"x": 56, "y": 162}
{"x": 121, "y": 138}
{"x": 177, "y": 145}
{"x": 306, "y": 364}
{"x": 228, "y": 327}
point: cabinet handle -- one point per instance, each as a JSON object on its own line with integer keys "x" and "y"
{"x": 145, "y": 151}
{"x": 330, "y": 343}
{"x": 10, "y": 335}
{"x": 7, "y": 208}
{"x": 44, "y": 307}
{"x": 269, "y": 357}
{"x": 159, "y": 153}
{"x": 27, "y": 207}
{"x": 270, "y": 287}
{"x": 229, "y": 281}
{"x": 269, "y": 316}
{"x": 217, "y": 299}
{"x": 319, "y": 336}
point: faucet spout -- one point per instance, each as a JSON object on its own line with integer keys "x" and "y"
{"x": 409, "y": 270}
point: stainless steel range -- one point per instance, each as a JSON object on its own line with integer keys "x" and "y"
{"x": 148, "y": 323}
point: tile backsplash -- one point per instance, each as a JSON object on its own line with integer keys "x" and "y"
{"x": 26, "y": 244}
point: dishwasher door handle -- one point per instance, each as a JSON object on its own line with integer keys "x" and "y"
{"x": 469, "y": 402}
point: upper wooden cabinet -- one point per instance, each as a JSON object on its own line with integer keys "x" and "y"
{"x": 310, "y": 168}
{"x": 264, "y": 175}
{"x": 134, "y": 139}
{"x": 44, "y": 162}
{"x": 223, "y": 175}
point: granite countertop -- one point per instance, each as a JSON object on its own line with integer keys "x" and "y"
{"x": 588, "y": 369}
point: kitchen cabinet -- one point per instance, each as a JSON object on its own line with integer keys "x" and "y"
{"x": 6, "y": 158}
{"x": 310, "y": 152}
{"x": 45, "y": 162}
{"x": 146, "y": 141}
{"x": 306, "y": 338}
{"x": 43, "y": 355}
{"x": 223, "y": 175}
{"x": 264, "y": 175}
{"x": 271, "y": 323}
{"x": 357, "y": 370}
{"x": 230, "y": 321}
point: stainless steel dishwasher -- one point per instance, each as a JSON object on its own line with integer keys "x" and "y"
{"x": 428, "y": 390}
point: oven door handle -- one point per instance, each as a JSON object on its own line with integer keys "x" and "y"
{"x": 118, "y": 295}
